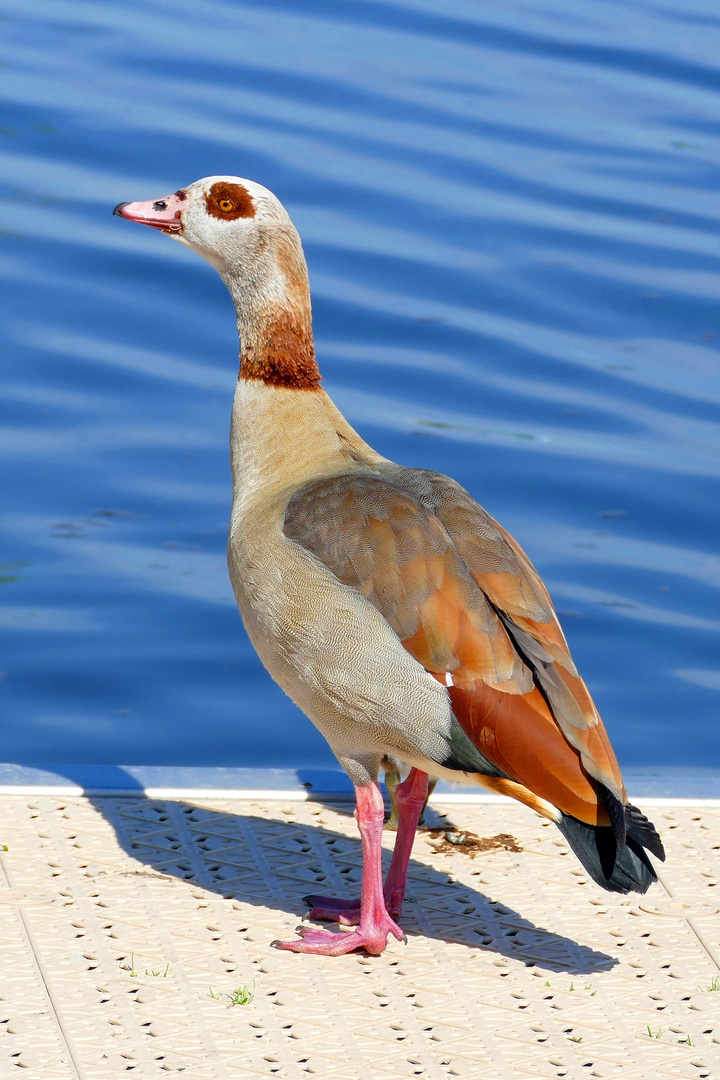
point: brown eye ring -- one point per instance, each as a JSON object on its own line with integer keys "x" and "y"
{"x": 227, "y": 201}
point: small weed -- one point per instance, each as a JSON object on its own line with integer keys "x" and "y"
{"x": 135, "y": 974}
{"x": 575, "y": 1038}
{"x": 687, "y": 1041}
{"x": 714, "y": 985}
{"x": 654, "y": 1034}
{"x": 548, "y": 983}
{"x": 242, "y": 996}
{"x": 572, "y": 986}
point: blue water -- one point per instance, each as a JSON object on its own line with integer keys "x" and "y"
{"x": 511, "y": 218}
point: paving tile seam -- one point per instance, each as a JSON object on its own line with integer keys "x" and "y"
{"x": 89, "y": 916}
{"x": 55, "y": 1009}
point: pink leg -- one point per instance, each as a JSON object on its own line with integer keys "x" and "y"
{"x": 410, "y": 797}
{"x": 375, "y": 923}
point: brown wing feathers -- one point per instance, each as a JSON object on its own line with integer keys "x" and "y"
{"x": 378, "y": 539}
{"x": 464, "y": 599}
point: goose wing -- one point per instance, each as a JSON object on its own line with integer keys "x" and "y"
{"x": 468, "y": 605}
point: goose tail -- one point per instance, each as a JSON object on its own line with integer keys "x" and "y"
{"x": 616, "y": 866}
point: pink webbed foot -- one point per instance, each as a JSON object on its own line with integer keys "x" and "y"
{"x": 372, "y": 938}
{"x": 333, "y": 909}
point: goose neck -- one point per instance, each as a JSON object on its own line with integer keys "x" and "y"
{"x": 274, "y": 316}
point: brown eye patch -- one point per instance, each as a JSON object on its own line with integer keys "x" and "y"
{"x": 229, "y": 201}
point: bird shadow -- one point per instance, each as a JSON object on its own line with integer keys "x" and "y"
{"x": 273, "y": 861}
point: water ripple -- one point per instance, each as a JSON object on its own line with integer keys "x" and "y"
{"x": 511, "y": 219}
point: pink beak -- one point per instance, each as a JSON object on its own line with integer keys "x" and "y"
{"x": 164, "y": 214}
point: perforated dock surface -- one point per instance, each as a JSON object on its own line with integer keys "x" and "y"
{"x": 129, "y": 923}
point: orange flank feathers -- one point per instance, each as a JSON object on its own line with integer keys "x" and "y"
{"x": 518, "y": 733}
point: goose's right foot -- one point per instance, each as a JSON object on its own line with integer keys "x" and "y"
{"x": 334, "y": 909}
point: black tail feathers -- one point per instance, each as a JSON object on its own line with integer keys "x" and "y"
{"x": 615, "y": 866}
{"x": 642, "y": 830}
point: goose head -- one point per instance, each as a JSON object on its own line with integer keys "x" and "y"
{"x": 238, "y": 226}
{"x": 244, "y": 231}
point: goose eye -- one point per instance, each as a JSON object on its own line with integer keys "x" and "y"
{"x": 226, "y": 205}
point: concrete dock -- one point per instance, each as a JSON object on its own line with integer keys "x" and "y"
{"x": 136, "y": 939}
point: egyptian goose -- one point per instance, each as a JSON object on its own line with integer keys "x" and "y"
{"x": 398, "y": 615}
